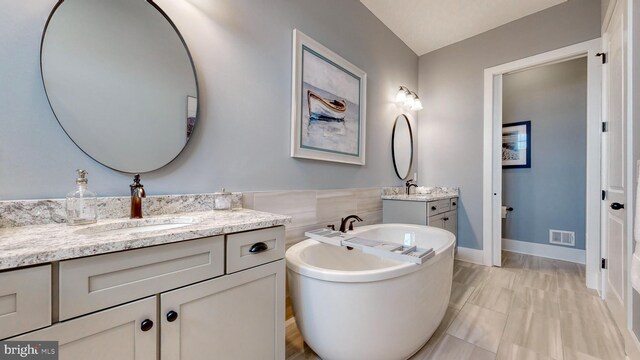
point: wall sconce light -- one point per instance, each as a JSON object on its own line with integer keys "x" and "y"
{"x": 408, "y": 99}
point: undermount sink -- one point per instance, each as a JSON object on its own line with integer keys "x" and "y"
{"x": 137, "y": 226}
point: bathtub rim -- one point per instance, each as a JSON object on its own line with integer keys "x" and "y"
{"x": 297, "y": 265}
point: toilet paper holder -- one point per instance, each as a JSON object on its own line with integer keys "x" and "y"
{"x": 505, "y": 210}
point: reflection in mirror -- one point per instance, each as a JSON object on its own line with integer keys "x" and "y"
{"x": 402, "y": 146}
{"x": 120, "y": 81}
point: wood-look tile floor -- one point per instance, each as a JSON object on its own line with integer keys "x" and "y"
{"x": 530, "y": 308}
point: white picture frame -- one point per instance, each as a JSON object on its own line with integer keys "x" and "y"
{"x": 328, "y": 120}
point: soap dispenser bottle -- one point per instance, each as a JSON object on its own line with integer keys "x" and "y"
{"x": 82, "y": 203}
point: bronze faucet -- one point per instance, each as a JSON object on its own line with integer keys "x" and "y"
{"x": 343, "y": 222}
{"x": 137, "y": 193}
{"x": 409, "y": 184}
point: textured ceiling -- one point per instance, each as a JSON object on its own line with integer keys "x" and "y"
{"x": 427, "y": 25}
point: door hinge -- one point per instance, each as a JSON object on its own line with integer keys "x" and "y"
{"x": 604, "y": 263}
{"x": 604, "y": 57}
{"x": 604, "y": 195}
{"x": 605, "y": 126}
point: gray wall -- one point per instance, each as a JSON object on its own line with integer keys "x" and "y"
{"x": 242, "y": 51}
{"x": 550, "y": 194}
{"x": 451, "y": 87}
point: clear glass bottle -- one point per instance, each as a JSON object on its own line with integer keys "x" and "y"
{"x": 82, "y": 203}
{"x": 222, "y": 200}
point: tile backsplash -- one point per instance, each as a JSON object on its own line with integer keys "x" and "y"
{"x": 312, "y": 209}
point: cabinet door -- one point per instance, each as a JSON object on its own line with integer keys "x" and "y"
{"x": 110, "y": 334}
{"x": 238, "y": 316}
{"x": 25, "y": 300}
{"x": 452, "y": 222}
{"x": 437, "y": 221}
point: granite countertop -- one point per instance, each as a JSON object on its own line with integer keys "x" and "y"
{"x": 31, "y": 245}
{"x": 419, "y": 197}
{"x": 421, "y": 194}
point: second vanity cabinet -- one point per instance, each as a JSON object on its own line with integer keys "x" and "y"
{"x": 441, "y": 213}
{"x": 174, "y": 301}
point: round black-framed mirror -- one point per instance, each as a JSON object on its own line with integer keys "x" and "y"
{"x": 121, "y": 81}
{"x": 402, "y": 146}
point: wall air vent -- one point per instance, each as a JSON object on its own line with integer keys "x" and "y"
{"x": 565, "y": 238}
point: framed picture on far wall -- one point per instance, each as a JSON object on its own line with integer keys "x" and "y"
{"x": 328, "y": 104}
{"x": 516, "y": 145}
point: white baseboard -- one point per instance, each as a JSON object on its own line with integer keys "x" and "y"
{"x": 544, "y": 250}
{"x": 470, "y": 255}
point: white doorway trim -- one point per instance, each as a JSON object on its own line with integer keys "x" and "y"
{"x": 492, "y": 168}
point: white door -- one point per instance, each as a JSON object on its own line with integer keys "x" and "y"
{"x": 127, "y": 332}
{"x": 614, "y": 229}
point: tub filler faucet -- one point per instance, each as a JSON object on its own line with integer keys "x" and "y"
{"x": 137, "y": 193}
{"x": 343, "y": 222}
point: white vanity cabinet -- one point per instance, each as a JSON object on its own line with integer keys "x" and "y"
{"x": 441, "y": 213}
{"x": 217, "y": 297}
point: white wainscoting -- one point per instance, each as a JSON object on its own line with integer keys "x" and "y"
{"x": 544, "y": 250}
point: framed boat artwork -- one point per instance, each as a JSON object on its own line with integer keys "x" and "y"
{"x": 328, "y": 104}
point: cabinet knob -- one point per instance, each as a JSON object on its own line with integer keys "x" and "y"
{"x": 146, "y": 325}
{"x": 433, "y": 208}
{"x": 453, "y": 203}
{"x": 172, "y": 316}
{"x": 445, "y": 219}
{"x": 258, "y": 248}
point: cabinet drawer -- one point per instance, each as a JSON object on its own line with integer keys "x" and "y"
{"x": 97, "y": 282}
{"x": 239, "y": 255}
{"x": 454, "y": 204}
{"x": 438, "y": 207}
{"x": 25, "y": 300}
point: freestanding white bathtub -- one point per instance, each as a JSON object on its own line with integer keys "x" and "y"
{"x": 350, "y": 305}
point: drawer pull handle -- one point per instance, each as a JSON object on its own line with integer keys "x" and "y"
{"x": 146, "y": 325}
{"x": 617, "y": 206}
{"x": 172, "y": 316}
{"x": 433, "y": 208}
{"x": 453, "y": 203}
{"x": 258, "y": 248}
{"x": 446, "y": 219}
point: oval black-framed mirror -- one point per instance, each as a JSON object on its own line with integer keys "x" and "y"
{"x": 121, "y": 81}
{"x": 402, "y": 146}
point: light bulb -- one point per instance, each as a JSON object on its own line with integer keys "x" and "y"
{"x": 408, "y": 103}
{"x": 417, "y": 105}
{"x": 401, "y": 96}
